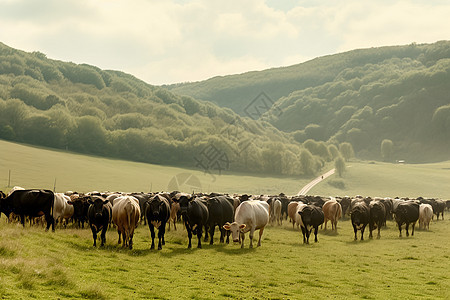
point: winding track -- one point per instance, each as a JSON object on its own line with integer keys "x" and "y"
{"x": 310, "y": 185}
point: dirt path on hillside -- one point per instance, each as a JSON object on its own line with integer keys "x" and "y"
{"x": 310, "y": 185}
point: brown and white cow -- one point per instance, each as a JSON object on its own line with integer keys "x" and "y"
{"x": 332, "y": 211}
{"x": 250, "y": 216}
{"x": 126, "y": 214}
{"x": 292, "y": 212}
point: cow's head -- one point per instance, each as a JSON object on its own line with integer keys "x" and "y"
{"x": 97, "y": 204}
{"x": 184, "y": 203}
{"x": 155, "y": 205}
{"x": 306, "y": 214}
{"x": 235, "y": 229}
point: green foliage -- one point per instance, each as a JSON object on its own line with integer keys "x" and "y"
{"x": 387, "y": 149}
{"x": 346, "y": 150}
{"x": 399, "y": 93}
{"x": 339, "y": 164}
{"x": 84, "y": 109}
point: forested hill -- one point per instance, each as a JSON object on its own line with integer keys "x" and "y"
{"x": 82, "y": 108}
{"x": 400, "y": 93}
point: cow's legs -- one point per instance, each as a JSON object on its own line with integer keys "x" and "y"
{"x": 242, "y": 235}
{"x": 355, "y": 230}
{"x": 206, "y": 233}
{"x": 120, "y": 236}
{"x": 252, "y": 231}
{"x": 304, "y": 234}
{"x": 413, "y": 225}
{"x": 400, "y": 229}
{"x": 407, "y": 227}
{"x": 362, "y": 232}
{"x": 161, "y": 231}
{"x": 199, "y": 236}
{"x": 211, "y": 234}
{"x": 94, "y": 235}
{"x": 188, "y": 228}
{"x": 152, "y": 233}
{"x": 379, "y": 228}
{"x": 260, "y": 235}
{"x": 103, "y": 236}
{"x": 315, "y": 233}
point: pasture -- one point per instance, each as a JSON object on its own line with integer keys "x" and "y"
{"x": 63, "y": 264}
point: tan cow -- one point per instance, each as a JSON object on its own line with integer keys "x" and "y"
{"x": 332, "y": 211}
{"x": 425, "y": 216}
{"x": 174, "y": 209}
{"x": 126, "y": 215}
{"x": 292, "y": 211}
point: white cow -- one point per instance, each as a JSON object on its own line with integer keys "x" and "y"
{"x": 250, "y": 216}
{"x": 126, "y": 214}
{"x": 276, "y": 215}
{"x": 425, "y": 215}
{"x": 62, "y": 210}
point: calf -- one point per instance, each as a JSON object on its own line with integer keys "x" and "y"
{"x": 360, "y": 215}
{"x": 99, "y": 216}
{"x": 377, "y": 217}
{"x": 332, "y": 211}
{"x": 157, "y": 211}
{"x": 195, "y": 215}
{"x": 425, "y": 215}
{"x": 250, "y": 215}
{"x": 405, "y": 213}
{"x": 32, "y": 203}
{"x": 311, "y": 217}
{"x": 126, "y": 214}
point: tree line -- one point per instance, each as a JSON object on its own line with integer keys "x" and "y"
{"x": 84, "y": 109}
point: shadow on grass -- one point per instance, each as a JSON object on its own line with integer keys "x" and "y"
{"x": 329, "y": 232}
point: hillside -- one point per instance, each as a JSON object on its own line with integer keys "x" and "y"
{"x": 82, "y": 108}
{"x": 400, "y": 93}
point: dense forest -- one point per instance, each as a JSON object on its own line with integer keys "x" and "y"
{"x": 399, "y": 94}
{"x": 84, "y": 109}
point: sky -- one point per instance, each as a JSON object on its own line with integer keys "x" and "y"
{"x": 172, "y": 41}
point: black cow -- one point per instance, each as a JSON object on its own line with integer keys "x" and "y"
{"x": 157, "y": 212}
{"x": 388, "y": 207}
{"x": 220, "y": 212}
{"x": 312, "y": 216}
{"x": 80, "y": 209}
{"x": 142, "y": 198}
{"x": 406, "y": 212}
{"x": 99, "y": 217}
{"x": 195, "y": 216}
{"x": 377, "y": 217}
{"x": 438, "y": 208}
{"x": 360, "y": 215}
{"x": 345, "y": 204}
{"x": 32, "y": 203}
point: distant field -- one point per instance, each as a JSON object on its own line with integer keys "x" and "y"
{"x": 391, "y": 180}
{"x": 33, "y": 167}
{"x": 46, "y": 265}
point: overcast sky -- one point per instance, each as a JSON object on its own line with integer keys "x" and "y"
{"x": 169, "y": 41}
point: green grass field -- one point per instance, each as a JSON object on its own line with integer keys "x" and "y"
{"x": 38, "y": 264}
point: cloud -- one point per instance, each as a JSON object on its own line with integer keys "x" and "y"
{"x": 181, "y": 40}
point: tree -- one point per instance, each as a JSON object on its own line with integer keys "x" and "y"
{"x": 333, "y": 150}
{"x": 307, "y": 163}
{"x": 346, "y": 150}
{"x": 387, "y": 148}
{"x": 339, "y": 164}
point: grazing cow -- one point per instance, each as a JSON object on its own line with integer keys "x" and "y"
{"x": 377, "y": 217}
{"x": 250, "y": 215}
{"x": 425, "y": 215}
{"x": 195, "y": 215}
{"x": 80, "y": 208}
{"x": 32, "y": 203}
{"x": 360, "y": 215}
{"x": 438, "y": 208}
{"x": 220, "y": 212}
{"x": 62, "y": 210}
{"x": 126, "y": 214}
{"x": 157, "y": 212}
{"x": 99, "y": 217}
{"x": 292, "y": 212}
{"x": 311, "y": 217}
{"x": 332, "y": 211}
{"x": 406, "y": 212}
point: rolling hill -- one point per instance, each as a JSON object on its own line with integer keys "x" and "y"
{"x": 365, "y": 96}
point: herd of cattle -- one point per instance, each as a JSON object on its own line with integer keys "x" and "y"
{"x": 233, "y": 214}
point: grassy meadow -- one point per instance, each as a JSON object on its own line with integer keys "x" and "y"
{"x": 39, "y": 264}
